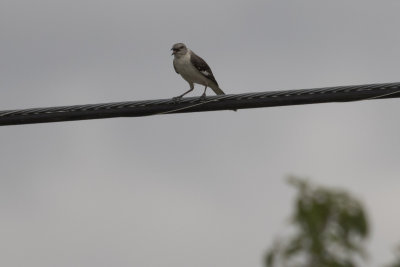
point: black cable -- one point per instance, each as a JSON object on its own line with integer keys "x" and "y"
{"x": 193, "y": 104}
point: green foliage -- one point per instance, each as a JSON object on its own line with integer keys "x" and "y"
{"x": 330, "y": 224}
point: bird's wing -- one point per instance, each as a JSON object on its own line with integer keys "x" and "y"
{"x": 202, "y": 66}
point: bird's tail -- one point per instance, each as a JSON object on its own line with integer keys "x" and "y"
{"x": 217, "y": 90}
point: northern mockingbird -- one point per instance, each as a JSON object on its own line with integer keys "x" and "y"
{"x": 193, "y": 69}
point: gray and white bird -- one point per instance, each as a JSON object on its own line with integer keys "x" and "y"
{"x": 193, "y": 69}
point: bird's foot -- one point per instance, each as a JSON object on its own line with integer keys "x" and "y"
{"x": 203, "y": 97}
{"x": 177, "y": 99}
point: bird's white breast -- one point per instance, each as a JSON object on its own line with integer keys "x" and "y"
{"x": 188, "y": 71}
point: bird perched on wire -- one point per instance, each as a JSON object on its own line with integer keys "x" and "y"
{"x": 193, "y": 69}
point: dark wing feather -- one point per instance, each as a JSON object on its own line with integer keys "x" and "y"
{"x": 202, "y": 66}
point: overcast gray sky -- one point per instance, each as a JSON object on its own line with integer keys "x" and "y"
{"x": 201, "y": 189}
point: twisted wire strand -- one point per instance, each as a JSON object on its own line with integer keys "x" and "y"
{"x": 192, "y": 104}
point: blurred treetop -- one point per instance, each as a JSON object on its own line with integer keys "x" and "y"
{"x": 330, "y": 228}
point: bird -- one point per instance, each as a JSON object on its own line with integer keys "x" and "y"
{"x": 193, "y": 69}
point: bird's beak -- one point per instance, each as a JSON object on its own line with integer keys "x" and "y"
{"x": 173, "y": 51}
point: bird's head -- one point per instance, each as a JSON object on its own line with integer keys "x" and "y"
{"x": 179, "y": 49}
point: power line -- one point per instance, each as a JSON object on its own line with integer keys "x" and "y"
{"x": 193, "y": 104}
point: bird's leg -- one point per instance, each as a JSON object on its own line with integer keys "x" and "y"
{"x": 178, "y": 98}
{"x": 203, "y": 96}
